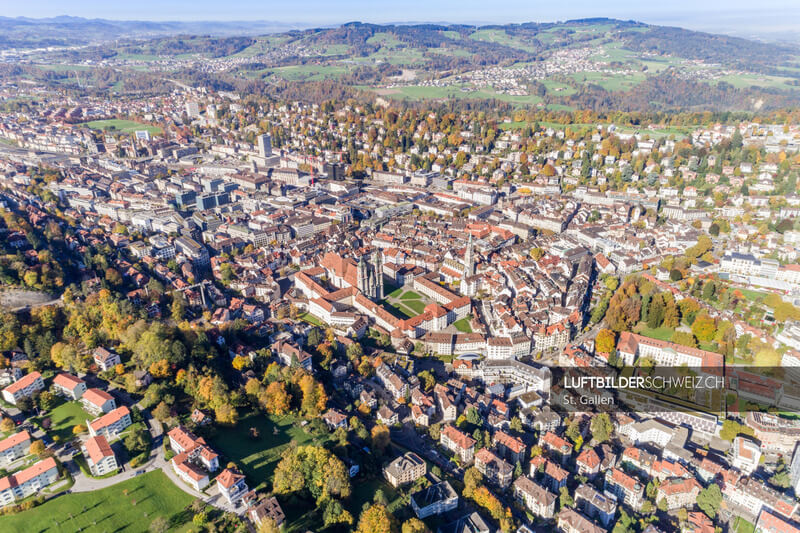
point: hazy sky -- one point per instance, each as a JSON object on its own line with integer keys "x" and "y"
{"x": 783, "y": 15}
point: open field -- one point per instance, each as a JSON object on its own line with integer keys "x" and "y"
{"x": 258, "y": 458}
{"x": 123, "y": 126}
{"x": 129, "y": 506}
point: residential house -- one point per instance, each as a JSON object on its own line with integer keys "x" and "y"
{"x": 335, "y": 419}
{"x": 678, "y": 492}
{"x": 471, "y": 523}
{"x": 232, "y": 485}
{"x": 570, "y": 521}
{"x": 105, "y": 359}
{"x": 510, "y": 447}
{"x": 268, "y": 508}
{"x": 595, "y": 504}
{"x": 557, "y": 445}
{"x": 626, "y": 488}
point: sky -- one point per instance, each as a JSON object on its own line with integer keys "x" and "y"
{"x": 778, "y": 15}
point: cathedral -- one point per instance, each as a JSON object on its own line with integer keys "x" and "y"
{"x": 370, "y": 277}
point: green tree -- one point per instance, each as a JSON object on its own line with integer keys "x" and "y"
{"x": 601, "y": 427}
{"x": 709, "y": 500}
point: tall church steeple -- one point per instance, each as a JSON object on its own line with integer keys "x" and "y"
{"x": 378, "y": 275}
{"x": 469, "y": 259}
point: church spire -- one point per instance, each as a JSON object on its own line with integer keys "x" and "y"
{"x": 469, "y": 260}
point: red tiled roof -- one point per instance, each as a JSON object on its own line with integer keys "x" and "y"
{"x": 68, "y": 381}
{"x": 109, "y": 418}
{"x": 23, "y": 382}
{"x": 98, "y": 449}
{"x": 13, "y": 440}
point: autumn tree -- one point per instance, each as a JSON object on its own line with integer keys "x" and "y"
{"x": 414, "y": 525}
{"x": 704, "y": 328}
{"x": 276, "y": 400}
{"x": 377, "y": 519}
{"x": 313, "y": 469}
{"x": 37, "y": 448}
{"x": 606, "y": 341}
{"x": 380, "y": 438}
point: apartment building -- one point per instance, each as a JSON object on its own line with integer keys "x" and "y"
{"x": 14, "y": 447}
{"x": 405, "y": 469}
{"x": 97, "y": 402}
{"x": 434, "y": 500}
{"x": 25, "y": 387}
{"x": 28, "y": 482}
{"x": 111, "y": 424}
{"x": 99, "y": 456}
{"x": 459, "y": 443}
{"x": 535, "y": 497}
{"x": 626, "y": 488}
{"x": 595, "y": 505}
{"x": 493, "y": 468}
{"x": 69, "y": 386}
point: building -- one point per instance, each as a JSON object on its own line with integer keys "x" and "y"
{"x": 25, "y": 387}
{"x": 14, "y": 447}
{"x": 105, "y": 359}
{"x": 746, "y": 455}
{"x": 631, "y": 347}
{"x": 595, "y": 505}
{"x": 69, "y": 386}
{"x": 557, "y": 445}
{"x": 405, "y": 469}
{"x": 268, "y": 508}
{"x": 678, "y": 492}
{"x": 28, "y": 482}
{"x": 232, "y": 485}
{"x": 472, "y": 523}
{"x": 459, "y": 443}
{"x": 570, "y": 521}
{"x": 434, "y": 500}
{"x": 97, "y": 401}
{"x": 626, "y": 489}
{"x": 194, "y": 457}
{"x": 111, "y": 424}
{"x": 536, "y": 498}
{"x": 494, "y": 469}
{"x": 510, "y": 447}
{"x": 99, "y": 456}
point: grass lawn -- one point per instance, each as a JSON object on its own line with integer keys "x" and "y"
{"x": 740, "y": 525}
{"x": 415, "y": 305}
{"x": 64, "y": 417}
{"x": 662, "y": 333}
{"x": 462, "y": 325}
{"x": 364, "y": 492}
{"x": 123, "y": 126}
{"x": 258, "y": 458}
{"x": 311, "y": 319}
{"x": 399, "y": 310}
{"x": 148, "y": 496}
{"x": 410, "y": 295}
